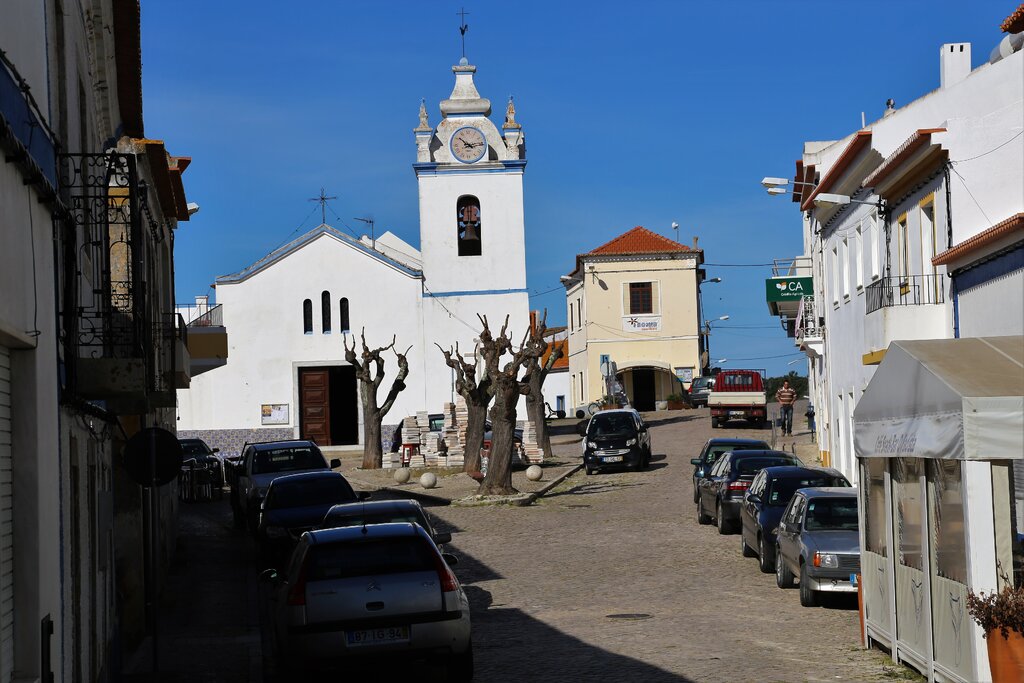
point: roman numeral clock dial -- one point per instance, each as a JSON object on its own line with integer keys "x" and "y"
{"x": 468, "y": 144}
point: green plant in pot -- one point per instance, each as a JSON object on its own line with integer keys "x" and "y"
{"x": 1001, "y": 616}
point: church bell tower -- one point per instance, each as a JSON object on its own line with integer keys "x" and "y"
{"x": 472, "y": 236}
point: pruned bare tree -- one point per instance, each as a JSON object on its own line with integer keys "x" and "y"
{"x": 536, "y": 373}
{"x": 506, "y": 388}
{"x": 370, "y": 372}
{"x": 474, "y": 385}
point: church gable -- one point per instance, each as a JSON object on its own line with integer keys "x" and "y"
{"x": 321, "y": 232}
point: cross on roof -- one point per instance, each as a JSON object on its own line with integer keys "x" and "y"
{"x": 323, "y": 205}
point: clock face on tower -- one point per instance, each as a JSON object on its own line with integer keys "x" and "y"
{"x": 468, "y": 144}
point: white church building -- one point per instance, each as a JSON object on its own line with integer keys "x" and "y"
{"x": 288, "y": 314}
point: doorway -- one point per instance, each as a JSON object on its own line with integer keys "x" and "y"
{"x": 328, "y": 412}
{"x": 643, "y": 389}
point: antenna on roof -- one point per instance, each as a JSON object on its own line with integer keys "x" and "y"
{"x": 323, "y": 205}
{"x": 370, "y": 222}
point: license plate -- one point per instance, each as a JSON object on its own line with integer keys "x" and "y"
{"x": 376, "y": 636}
{"x": 735, "y": 413}
{"x": 612, "y": 458}
{"x": 853, "y": 580}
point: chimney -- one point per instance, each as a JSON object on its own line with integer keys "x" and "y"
{"x": 954, "y": 63}
{"x": 695, "y": 247}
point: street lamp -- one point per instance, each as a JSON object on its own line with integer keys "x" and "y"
{"x": 721, "y": 360}
{"x": 707, "y": 333}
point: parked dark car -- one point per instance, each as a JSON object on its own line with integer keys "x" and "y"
{"x": 767, "y": 498}
{"x": 382, "y": 512}
{"x": 713, "y": 450}
{"x": 294, "y": 504}
{"x": 615, "y": 439}
{"x": 723, "y": 488}
{"x": 700, "y": 388}
{"x": 819, "y": 542}
{"x": 199, "y": 452}
{"x": 262, "y": 463}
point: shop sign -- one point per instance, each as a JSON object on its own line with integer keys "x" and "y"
{"x": 649, "y": 323}
{"x": 788, "y": 288}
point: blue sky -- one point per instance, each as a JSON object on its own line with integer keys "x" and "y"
{"x": 639, "y": 113}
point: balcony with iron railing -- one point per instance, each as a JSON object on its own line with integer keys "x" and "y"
{"x": 904, "y": 307}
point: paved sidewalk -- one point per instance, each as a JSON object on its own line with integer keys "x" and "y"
{"x": 209, "y": 613}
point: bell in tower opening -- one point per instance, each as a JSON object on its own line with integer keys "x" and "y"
{"x": 468, "y": 217}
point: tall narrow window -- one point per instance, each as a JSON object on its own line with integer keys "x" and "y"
{"x": 579, "y": 312}
{"x": 325, "y": 311}
{"x": 835, "y": 275}
{"x": 468, "y": 221}
{"x": 859, "y": 258}
{"x": 904, "y": 249}
{"x": 572, "y": 319}
{"x": 307, "y": 316}
{"x": 844, "y": 256}
{"x": 345, "y": 327}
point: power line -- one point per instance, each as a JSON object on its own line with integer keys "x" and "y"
{"x": 739, "y": 265}
{"x": 547, "y": 291}
{"x": 971, "y": 195}
{"x": 784, "y": 355}
{"x": 983, "y": 154}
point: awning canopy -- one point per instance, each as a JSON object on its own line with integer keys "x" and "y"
{"x": 960, "y": 399}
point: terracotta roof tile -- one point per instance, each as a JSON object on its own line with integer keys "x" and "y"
{"x": 1003, "y": 228}
{"x": 639, "y": 240}
{"x": 1015, "y": 22}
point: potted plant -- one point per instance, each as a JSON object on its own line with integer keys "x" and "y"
{"x": 1001, "y": 616}
{"x": 676, "y": 402}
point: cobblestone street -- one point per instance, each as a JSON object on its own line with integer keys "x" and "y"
{"x": 607, "y": 577}
{"x": 545, "y": 581}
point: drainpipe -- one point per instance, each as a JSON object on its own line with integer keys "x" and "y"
{"x": 954, "y": 295}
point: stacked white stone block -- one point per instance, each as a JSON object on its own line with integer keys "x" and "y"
{"x": 453, "y": 429}
{"x": 531, "y": 451}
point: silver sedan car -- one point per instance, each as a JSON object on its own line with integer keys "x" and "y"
{"x": 374, "y": 590}
{"x": 818, "y": 541}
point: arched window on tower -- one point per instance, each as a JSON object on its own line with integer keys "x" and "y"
{"x": 468, "y": 221}
{"x": 307, "y": 316}
{"x": 345, "y": 328}
{"x": 325, "y": 310}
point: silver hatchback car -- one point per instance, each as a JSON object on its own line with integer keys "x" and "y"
{"x": 374, "y": 590}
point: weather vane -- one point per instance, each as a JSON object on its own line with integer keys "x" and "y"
{"x": 323, "y": 205}
{"x": 463, "y": 27}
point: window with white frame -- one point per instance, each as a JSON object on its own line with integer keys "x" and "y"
{"x": 873, "y": 258}
{"x": 844, "y": 258}
{"x": 858, "y": 246}
{"x": 903, "y": 248}
{"x": 834, "y": 264}
{"x": 572, "y": 320}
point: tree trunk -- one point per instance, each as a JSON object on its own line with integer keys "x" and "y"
{"x": 373, "y": 455}
{"x": 475, "y": 428}
{"x": 498, "y": 480}
{"x": 535, "y": 411}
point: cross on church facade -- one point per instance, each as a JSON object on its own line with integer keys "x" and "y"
{"x": 323, "y": 205}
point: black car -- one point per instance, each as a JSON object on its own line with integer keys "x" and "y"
{"x": 766, "y": 499}
{"x": 196, "y": 453}
{"x": 295, "y": 504}
{"x": 614, "y": 439}
{"x": 722, "y": 490}
{"x": 713, "y": 449}
{"x": 382, "y": 512}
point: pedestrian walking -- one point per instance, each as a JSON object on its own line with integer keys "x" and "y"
{"x": 786, "y": 396}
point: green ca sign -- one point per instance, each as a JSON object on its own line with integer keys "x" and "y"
{"x": 788, "y": 288}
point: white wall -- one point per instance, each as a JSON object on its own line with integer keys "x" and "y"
{"x": 264, "y": 318}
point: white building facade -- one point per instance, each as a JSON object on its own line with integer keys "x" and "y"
{"x": 291, "y": 313}
{"x": 914, "y": 228}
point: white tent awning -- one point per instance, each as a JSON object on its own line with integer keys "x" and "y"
{"x": 960, "y": 399}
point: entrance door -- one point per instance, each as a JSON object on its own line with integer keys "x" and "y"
{"x": 315, "y": 405}
{"x": 643, "y": 389}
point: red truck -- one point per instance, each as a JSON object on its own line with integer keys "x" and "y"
{"x": 739, "y": 395}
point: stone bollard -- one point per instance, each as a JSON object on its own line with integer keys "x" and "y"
{"x": 534, "y": 472}
{"x": 402, "y": 475}
{"x": 428, "y": 480}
